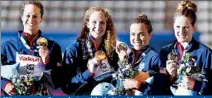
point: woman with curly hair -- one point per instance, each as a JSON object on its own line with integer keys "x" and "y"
{"x": 81, "y": 66}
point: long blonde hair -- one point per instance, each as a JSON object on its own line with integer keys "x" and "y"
{"x": 110, "y": 34}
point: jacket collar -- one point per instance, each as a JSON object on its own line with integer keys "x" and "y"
{"x": 191, "y": 46}
{"x": 20, "y": 34}
{"x": 136, "y": 58}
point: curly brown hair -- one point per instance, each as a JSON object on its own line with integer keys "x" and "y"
{"x": 110, "y": 34}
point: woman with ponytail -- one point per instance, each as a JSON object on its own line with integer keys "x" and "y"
{"x": 142, "y": 56}
{"x": 185, "y": 45}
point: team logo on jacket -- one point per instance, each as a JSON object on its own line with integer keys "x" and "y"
{"x": 141, "y": 66}
{"x": 30, "y": 65}
{"x": 104, "y": 69}
{"x": 29, "y": 58}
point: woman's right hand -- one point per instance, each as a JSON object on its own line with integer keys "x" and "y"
{"x": 171, "y": 67}
{"x": 10, "y": 88}
{"x": 131, "y": 84}
{"x": 92, "y": 65}
{"x": 123, "y": 56}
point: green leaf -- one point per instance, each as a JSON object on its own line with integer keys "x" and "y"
{"x": 186, "y": 57}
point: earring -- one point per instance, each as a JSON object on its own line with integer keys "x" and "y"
{"x": 108, "y": 31}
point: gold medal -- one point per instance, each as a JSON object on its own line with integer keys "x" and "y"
{"x": 121, "y": 47}
{"x": 42, "y": 42}
{"x": 100, "y": 55}
{"x": 173, "y": 56}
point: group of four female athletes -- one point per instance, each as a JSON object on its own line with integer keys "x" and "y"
{"x": 77, "y": 73}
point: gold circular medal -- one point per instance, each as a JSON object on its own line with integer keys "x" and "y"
{"x": 42, "y": 42}
{"x": 121, "y": 46}
{"x": 173, "y": 56}
{"x": 100, "y": 55}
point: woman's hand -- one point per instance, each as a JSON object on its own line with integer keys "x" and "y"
{"x": 92, "y": 65}
{"x": 188, "y": 82}
{"x": 131, "y": 84}
{"x": 123, "y": 56}
{"x": 10, "y": 88}
{"x": 171, "y": 67}
{"x": 44, "y": 53}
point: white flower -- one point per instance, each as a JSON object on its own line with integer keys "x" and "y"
{"x": 7, "y": 71}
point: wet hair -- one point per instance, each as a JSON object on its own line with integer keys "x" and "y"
{"x": 142, "y": 18}
{"x": 110, "y": 34}
{"x": 36, "y": 3}
{"x": 187, "y": 9}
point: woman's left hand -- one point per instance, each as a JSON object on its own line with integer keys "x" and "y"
{"x": 131, "y": 84}
{"x": 44, "y": 53}
{"x": 123, "y": 56}
{"x": 188, "y": 82}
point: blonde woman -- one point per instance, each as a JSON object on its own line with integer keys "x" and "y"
{"x": 98, "y": 34}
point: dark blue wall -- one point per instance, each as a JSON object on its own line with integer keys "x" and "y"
{"x": 64, "y": 39}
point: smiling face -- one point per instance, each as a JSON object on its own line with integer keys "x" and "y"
{"x": 183, "y": 29}
{"x": 97, "y": 24}
{"x": 139, "y": 36}
{"x": 31, "y": 19}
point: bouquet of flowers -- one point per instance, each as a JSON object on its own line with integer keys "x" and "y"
{"x": 125, "y": 69}
{"x": 23, "y": 83}
{"x": 120, "y": 75}
{"x": 27, "y": 85}
{"x": 187, "y": 67}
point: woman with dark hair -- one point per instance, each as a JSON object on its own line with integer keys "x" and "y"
{"x": 142, "y": 56}
{"x": 191, "y": 54}
{"x": 81, "y": 60}
{"x": 31, "y": 54}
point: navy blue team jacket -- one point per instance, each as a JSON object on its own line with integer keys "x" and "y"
{"x": 10, "y": 47}
{"x": 78, "y": 80}
{"x": 203, "y": 56}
